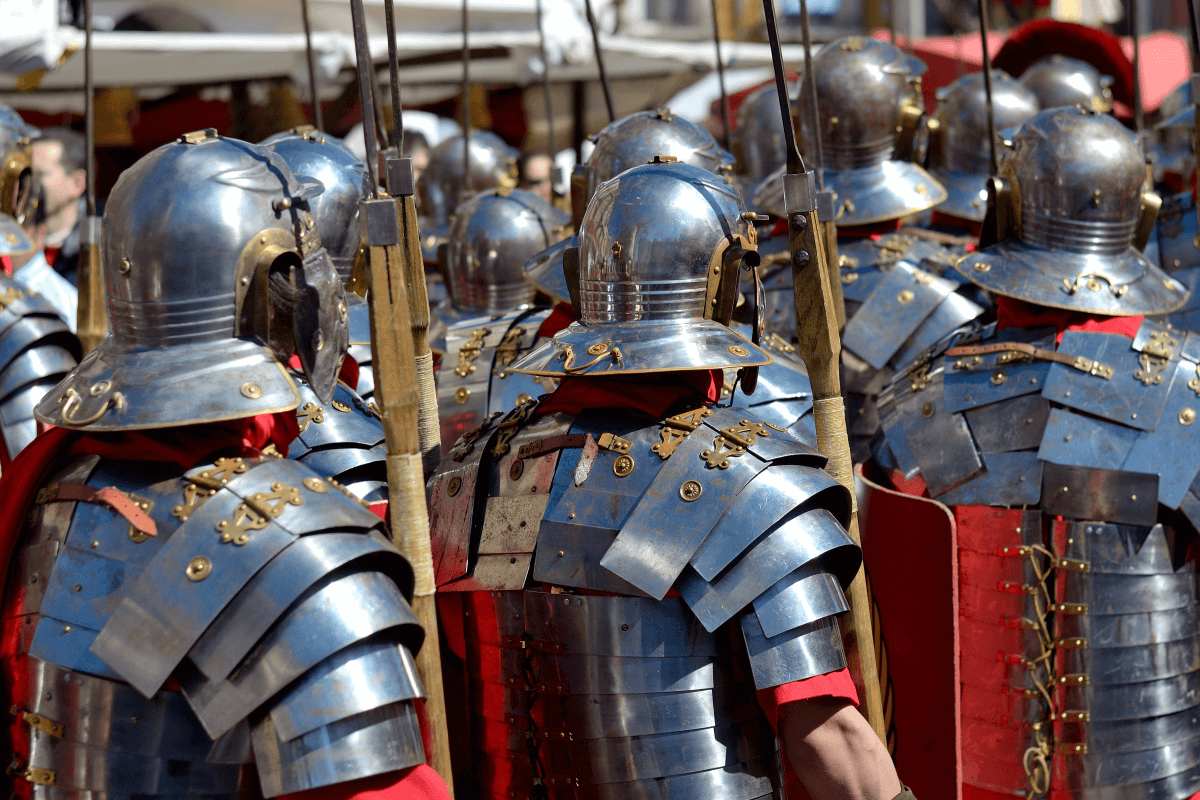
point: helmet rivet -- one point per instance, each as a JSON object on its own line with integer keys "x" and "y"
{"x": 982, "y": 266}
{"x": 1187, "y": 416}
{"x": 343, "y": 314}
{"x": 262, "y": 240}
{"x": 99, "y": 388}
{"x": 198, "y": 568}
{"x": 252, "y": 390}
{"x": 308, "y": 223}
{"x": 318, "y": 341}
{"x": 1095, "y": 197}
{"x": 124, "y": 266}
{"x": 738, "y": 350}
{"x": 597, "y": 349}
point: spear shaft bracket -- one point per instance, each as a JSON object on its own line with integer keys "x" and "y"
{"x": 399, "y": 173}
{"x": 800, "y": 193}
{"x": 826, "y": 202}
{"x": 381, "y": 228}
{"x": 89, "y": 230}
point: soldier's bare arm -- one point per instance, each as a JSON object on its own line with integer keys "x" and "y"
{"x": 834, "y": 751}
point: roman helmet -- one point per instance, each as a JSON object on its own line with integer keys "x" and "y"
{"x": 870, "y": 115}
{"x": 959, "y": 156}
{"x": 492, "y": 236}
{"x": 626, "y": 143}
{"x": 759, "y": 144}
{"x": 441, "y": 186}
{"x": 1061, "y": 81}
{"x": 215, "y": 276}
{"x": 335, "y": 210}
{"x": 1076, "y": 202}
{"x": 654, "y": 280}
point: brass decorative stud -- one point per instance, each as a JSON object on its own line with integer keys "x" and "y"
{"x": 99, "y": 388}
{"x": 123, "y": 266}
{"x": 928, "y": 410}
{"x": 622, "y": 466}
{"x": 252, "y": 390}
{"x": 738, "y": 350}
{"x": 999, "y": 377}
{"x": 338, "y": 405}
{"x": 691, "y": 490}
{"x": 598, "y": 349}
{"x": 453, "y": 487}
{"x": 905, "y": 297}
{"x": 522, "y": 399}
{"x": 316, "y": 485}
{"x": 516, "y": 470}
{"x": 981, "y": 266}
{"x": 1187, "y": 416}
{"x": 198, "y": 569}
{"x": 462, "y": 395}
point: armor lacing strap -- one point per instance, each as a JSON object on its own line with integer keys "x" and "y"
{"x": 1019, "y": 349}
{"x": 132, "y": 510}
{"x": 1038, "y": 758}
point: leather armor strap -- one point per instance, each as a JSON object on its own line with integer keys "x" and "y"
{"x": 109, "y": 496}
{"x": 1078, "y": 362}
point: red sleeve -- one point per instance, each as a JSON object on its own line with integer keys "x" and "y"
{"x": 831, "y": 684}
{"x": 417, "y": 783}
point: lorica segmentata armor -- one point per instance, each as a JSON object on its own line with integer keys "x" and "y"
{"x": 1080, "y": 647}
{"x": 258, "y": 587}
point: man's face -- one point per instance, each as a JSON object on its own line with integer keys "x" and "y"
{"x": 62, "y": 188}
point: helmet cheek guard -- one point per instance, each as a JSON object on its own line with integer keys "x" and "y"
{"x": 320, "y": 322}
{"x": 16, "y": 182}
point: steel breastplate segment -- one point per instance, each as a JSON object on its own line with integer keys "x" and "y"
{"x": 342, "y": 439}
{"x": 87, "y": 734}
{"x": 37, "y": 350}
{"x": 237, "y": 515}
{"x": 1009, "y": 419}
{"x": 583, "y": 648}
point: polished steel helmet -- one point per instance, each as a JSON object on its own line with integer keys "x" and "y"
{"x": 16, "y": 165}
{"x": 346, "y": 181}
{"x": 870, "y": 112}
{"x": 626, "y": 143}
{"x": 215, "y": 274}
{"x": 441, "y": 186}
{"x": 1076, "y": 194}
{"x": 759, "y": 135}
{"x": 959, "y": 155}
{"x": 661, "y": 249}
{"x": 1061, "y": 81}
{"x": 635, "y": 139}
{"x": 310, "y": 132}
{"x": 492, "y": 235}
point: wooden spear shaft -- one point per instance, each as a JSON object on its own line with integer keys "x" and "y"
{"x": 397, "y": 396}
{"x": 92, "y": 319}
{"x": 820, "y": 347}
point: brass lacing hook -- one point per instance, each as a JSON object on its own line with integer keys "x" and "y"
{"x": 73, "y": 398}
{"x": 1092, "y": 281}
{"x": 600, "y": 351}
